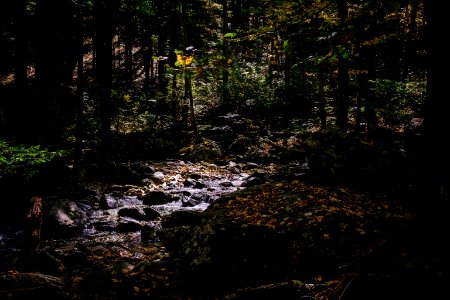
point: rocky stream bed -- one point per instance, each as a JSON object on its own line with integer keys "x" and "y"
{"x": 233, "y": 229}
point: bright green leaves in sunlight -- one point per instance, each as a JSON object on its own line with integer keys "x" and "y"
{"x": 183, "y": 60}
{"x": 230, "y": 35}
{"x": 14, "y": 159}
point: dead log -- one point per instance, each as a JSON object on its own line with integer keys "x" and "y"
{"x": 16, "y": 285}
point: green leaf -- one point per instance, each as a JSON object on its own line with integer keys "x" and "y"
{"x": 346, "y": 54}
{"x": 230, "y": 35}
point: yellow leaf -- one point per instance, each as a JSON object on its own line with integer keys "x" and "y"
{"x": 360, "y": 231}
{"x": 126, "y": 98}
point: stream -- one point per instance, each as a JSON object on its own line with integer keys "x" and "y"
{"x": 118, "y": 212}
{"x": 106, "y": 242}
{"x": 183, "y": 186}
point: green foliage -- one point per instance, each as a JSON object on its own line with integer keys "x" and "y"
{"x": 396, "y": 101}
{"x": 249, "y": 84}
{"x": 22, "y": 159}
{"x": 204, "y": 151}
{"x": 230, "y": 35}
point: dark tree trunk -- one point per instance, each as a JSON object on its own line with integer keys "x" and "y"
{"x": 147, "y": 51}
{"x": 236, "y": 20}
{"x": 225, "y": 29}
{"x": 32, "y": 226}
{"x": 129, "y": 43}
{"x": 322, "y": 104}
{"x": 188, "y": 95}
{"x": 20, "y": 70}
{"x": 80, "y": 92}
{"x": 411, "y": 44}
{"x": 174, "y": 32}
{"x": 342, "y": 103}
{"x": 49, "y": 51}
{"x": 162, "y": 41}
{"x": 103, "y": 71}
{"x": 369, "y": 100}
{"x": 436, "y": 158}
{"x": 18, "y": 119}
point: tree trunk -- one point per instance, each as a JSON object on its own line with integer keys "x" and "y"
{"x": 436, "y": 160}
{"x": 225, "y": 92}
{"x": 342, "y": 98}
{"x": 147, "y": 58}
{"x": 188, "y": 94}
{"x": 162, "y": 40}
{"x": 20, "y": 70}
{"x": 104, "y": 33}
{"x": 80, "y": 93}
{"x": 369, "y": 105}
{"x": 322, "y": 104}
{"x": 174, "y": 32}
{"x": 32, "y": 226}
{"x": 129, "y": 44}
{"x": 49, "y": 54}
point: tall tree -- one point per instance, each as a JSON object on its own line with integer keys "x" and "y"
{"x": 20, "y": 69}
{"x": 79, "y": 128}
{"x": 225, "y": 53}
{"x": 161, "y": 10}
{"x": 436, "y": 160}
{"x": 51, "y": 45}
{"x": 342, "y": 103}
{"x": 128, "y": 37}
{"x": 104, "y": 32}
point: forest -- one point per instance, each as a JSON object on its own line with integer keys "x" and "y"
{"x": 223, "y": 149}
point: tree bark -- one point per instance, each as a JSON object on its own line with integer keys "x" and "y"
{"x": 129, "y": 44}
{"x": 80, "y": 93}
{"x": 32, "y": 227}
{"x": 225, "y": 28}
{"x": 322, "y": 104}
{"x": 342, "y": 98}
{"x": 20, "y": 70}
{"x": 436, "y": 160}
{"x": 103, "y": 71}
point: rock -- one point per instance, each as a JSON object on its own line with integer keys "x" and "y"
{"x": 108, "y": 202}
{"x": 131, "y": 212}
{"x": 240, "y": 145}
{"x": 195, "y": 176}
{"x": 156, "y": 197}
{"x": 181, "y": 218}
{"x": 63, "y": 219}
{"x": 151, "y": 214}
{"x": 255, "y": 179}
{"x": 195, "y": 199}
{"x": 188, "y": 183}
{"x": 148, "y": 233}
{"x": 157, "y": 177}
{"x": 105, "y": 226}
{"x": 128, "y": 225}
{"x": 189, "y": 202}
{"x": 226, "y": 184}
{"x": 250, "y": 166}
